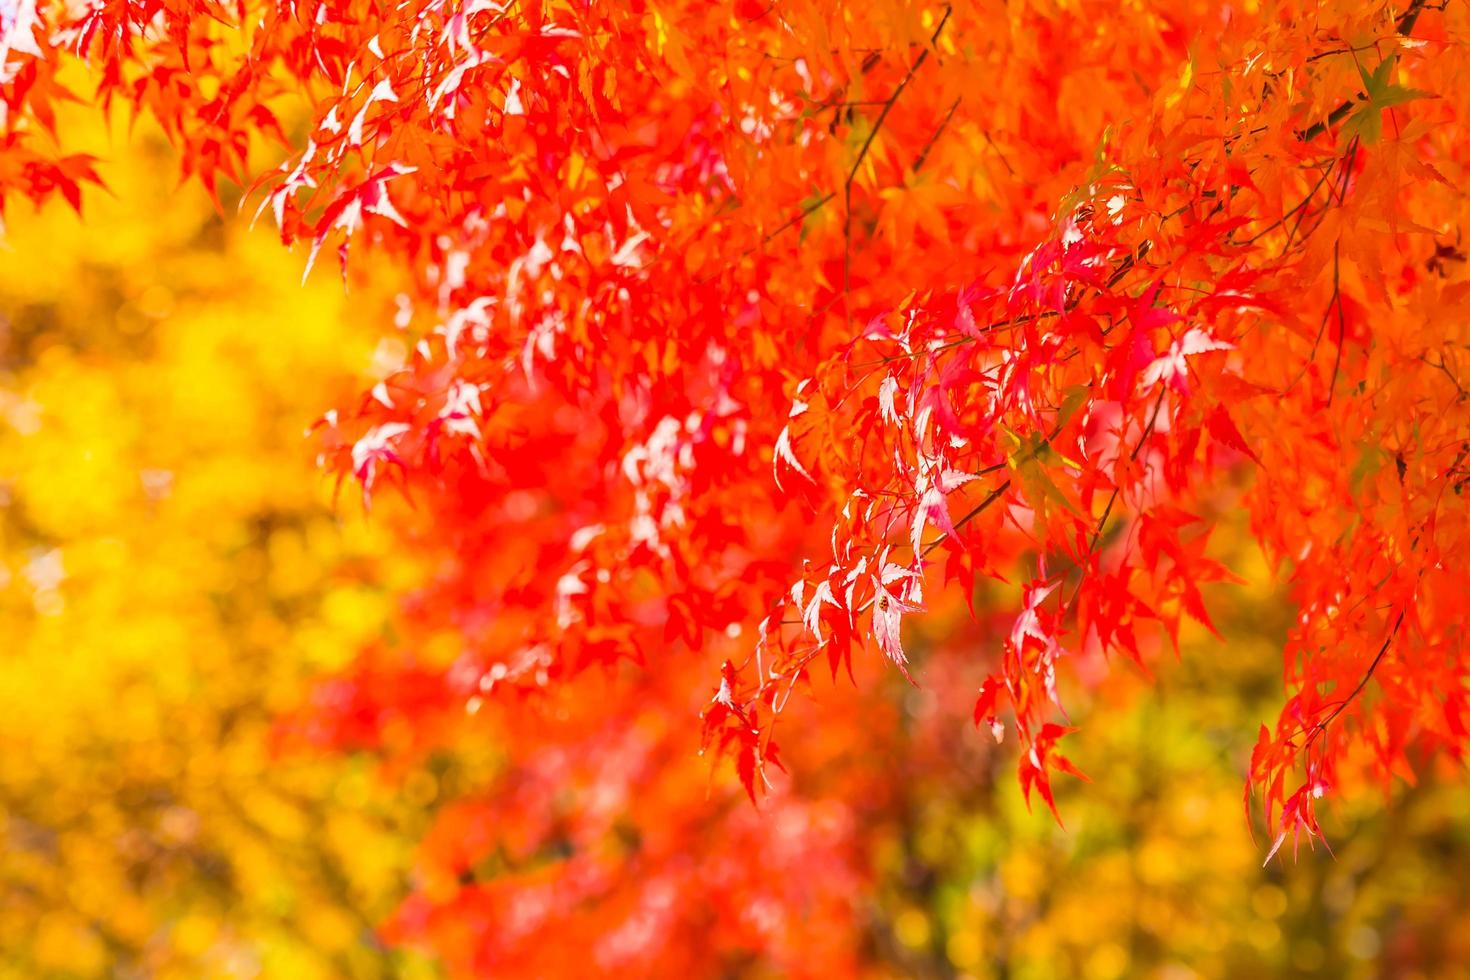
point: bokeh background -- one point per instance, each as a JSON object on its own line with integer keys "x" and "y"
{"x": 176, "y": 577}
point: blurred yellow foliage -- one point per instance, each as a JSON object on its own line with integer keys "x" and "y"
{"x": 1155, "y": 874}
{"x": 172, "y": 573}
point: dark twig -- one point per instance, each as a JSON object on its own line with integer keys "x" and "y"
{"x": 924, "y": 153}
{"x": 1448, "y": 374}
{"x": 868, "y": 144}
{"x": 973, "y": 513}
{"x": 1298, "y": 207}
{"x": 1113, "y": 498}
{"x": 1404, "y": 25}
{"x": 1003, "y": 161}
{"x": 1341, "y": 320}
{"x": 1321, "y": 726}
{"x": 1336, "y": 301}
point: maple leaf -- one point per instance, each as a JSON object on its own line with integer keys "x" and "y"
{"x": 1172, "y": 367}
{"x": 932, "y": 489}
{"x": 1381, "y": 94}
{"x": 886, "y": 392}
{"x": 18, "y": 23}
{"x": 985, "y": 707}
{"x": 812, "y": 615}
{"x": 346, "y": 213}
{"x": 888, "y": 613}
{"x": 1038, "y": 759}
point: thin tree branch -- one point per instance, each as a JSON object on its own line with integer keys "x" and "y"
{"x": 1362, "y": 683}
{"x": 974, "y": 512}
{"x": 868, "y": 144}
{"x": 1341, "y": 320}
{"x": 1403, "y": 26}
{"x": 924, "y": 153}
{"x": 1113, "y": 498}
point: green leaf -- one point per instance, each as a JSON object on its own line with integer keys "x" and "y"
{"x": 1029, "y": 465}
{"x": 1371, "y": 458}
{"x": 1381, "y": 94}
{"x": 1074, "y": 399}
{"x": 1366, "y": 123}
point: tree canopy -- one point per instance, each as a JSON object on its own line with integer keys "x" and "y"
{"x": 736, "y": 338}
